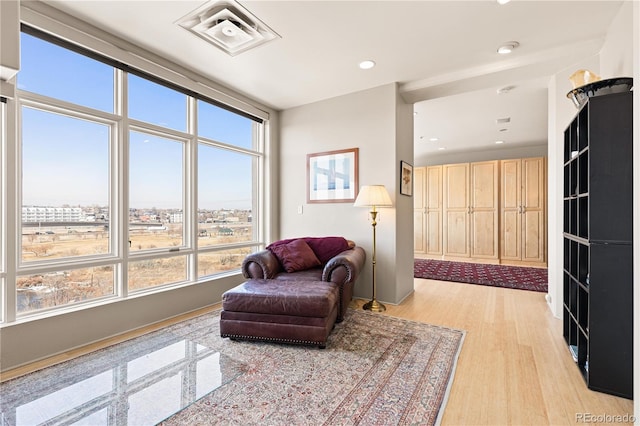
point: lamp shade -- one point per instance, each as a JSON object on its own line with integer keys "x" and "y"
{"x": 373, "y": 195}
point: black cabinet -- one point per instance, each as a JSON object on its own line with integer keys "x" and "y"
{"x": 598, "y": 249}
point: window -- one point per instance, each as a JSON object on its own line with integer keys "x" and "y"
{"x": 218, "y": 124}
{"x": 56, "y": 72}
{"x": 65, "y": 186}
{"x": 156, "y": 104}
{"x": 108, "y": 203}
{"x": 226, "y": 189}
{"x": 156, "y": 198}
{"x": 64, "y": 287}
{"x": 154, "y": 272}
{"x": 225, "y": 196}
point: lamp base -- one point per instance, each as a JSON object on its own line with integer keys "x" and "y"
{"x": 374, "y": 306}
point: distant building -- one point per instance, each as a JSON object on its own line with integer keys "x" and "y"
{"x": 225, "y": 231}
{"x": 176, "y": 217}
{"x": 52, "y": 214}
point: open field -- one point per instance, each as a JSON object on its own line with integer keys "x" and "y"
{"x": 38, "y": 291}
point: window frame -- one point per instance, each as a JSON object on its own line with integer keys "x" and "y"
{"x": 49, "y": 105}
{"x": 120, "y": 125}
{"x": 3, "y": 209}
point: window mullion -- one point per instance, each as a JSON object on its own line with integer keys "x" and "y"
{"x": 120, "y": 173}
{"x": 11, "y": 245}
{"x": 191, "y": 187}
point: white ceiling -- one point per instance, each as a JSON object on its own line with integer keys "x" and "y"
{"x": 442, "y": 53}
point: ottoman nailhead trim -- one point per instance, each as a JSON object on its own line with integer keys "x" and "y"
{"x": 273, "y": 339}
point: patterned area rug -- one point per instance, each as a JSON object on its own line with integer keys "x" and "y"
{"x": 376, "y": 369}
{"x": 522, "y": 278}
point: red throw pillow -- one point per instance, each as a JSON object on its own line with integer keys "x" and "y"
{"x": 327, "y": 247}
{"x": 295, "y": 255}
{"x": 323, "y": 247}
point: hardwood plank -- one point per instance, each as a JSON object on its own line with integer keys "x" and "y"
{"x": 514, "y": 367}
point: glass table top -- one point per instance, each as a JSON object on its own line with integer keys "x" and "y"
{"x": 139, "y": 382}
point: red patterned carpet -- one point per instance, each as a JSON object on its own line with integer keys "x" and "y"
{"x": 518, "y": 277}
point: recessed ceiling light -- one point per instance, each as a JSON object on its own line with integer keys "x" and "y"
{"x": 508, "y": 47}
{"x": 367, "y": 65}
{"x": 434, "y": 139}
{"x": 503, "y": 1}
{"x": 442, "y": 148}
{"x": 499, "y": 142}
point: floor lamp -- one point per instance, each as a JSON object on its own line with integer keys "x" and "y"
{"x": 373, "y": 196}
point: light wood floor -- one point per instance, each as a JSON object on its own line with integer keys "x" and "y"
{"x": 514, "y": 367}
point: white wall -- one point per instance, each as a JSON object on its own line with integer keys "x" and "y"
{"x": 367, "y": 120}
{"x": 404, "y": 206}
{"x": 616, "y": 56}
{"x": 561, "y": 112}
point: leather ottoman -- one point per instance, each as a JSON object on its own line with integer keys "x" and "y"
{"x": 297, "y": 312}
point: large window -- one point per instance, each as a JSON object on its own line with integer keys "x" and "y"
{"x": 125, "y": 182}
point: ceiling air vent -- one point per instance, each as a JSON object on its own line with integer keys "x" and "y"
{"x": 228, "y": 26}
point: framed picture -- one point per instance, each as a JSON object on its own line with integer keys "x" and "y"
{"x": 406, "y": 179}
{"x": 332, "y": 176}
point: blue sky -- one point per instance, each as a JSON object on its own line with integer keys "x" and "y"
{"x": 66, "y": 160}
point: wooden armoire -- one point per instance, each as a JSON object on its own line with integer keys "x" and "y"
{"x": 490, "y": 211}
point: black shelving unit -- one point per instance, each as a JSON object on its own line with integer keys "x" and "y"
{"x": 598, "y": 249}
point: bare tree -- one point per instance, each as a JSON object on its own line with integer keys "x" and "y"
{"x": 38, "y": 249}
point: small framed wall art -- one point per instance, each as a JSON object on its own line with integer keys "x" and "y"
{"x": 406, "y": 179}
{"x": 332, "y": 176}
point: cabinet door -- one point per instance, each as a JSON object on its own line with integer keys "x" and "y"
{"x": 533, "y": 209}
{"x": 433, "y": 219}
{"x": 511, "y": 219}
{"x": 419, "y": 210}
{"x": 484, "y": 209}
{"x": 456, "y": 209}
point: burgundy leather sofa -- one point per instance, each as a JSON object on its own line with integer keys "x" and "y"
{"x": 300, "y": 306}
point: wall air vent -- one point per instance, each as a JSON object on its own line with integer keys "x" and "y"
{"x": 228, "y": 26}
